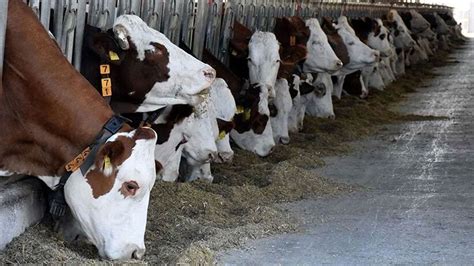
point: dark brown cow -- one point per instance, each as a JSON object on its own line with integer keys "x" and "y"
{"x": 51, "y": 116}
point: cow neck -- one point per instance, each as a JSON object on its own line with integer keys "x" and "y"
{"x": 48, "y": 111}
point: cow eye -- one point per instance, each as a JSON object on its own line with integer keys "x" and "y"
{"x": 351, "y": 43}
{"x": 278, "y": 60}
{"x": 382, "y": 36}
{"x": 129, "y": 188}
{"x": 249, "y": 59}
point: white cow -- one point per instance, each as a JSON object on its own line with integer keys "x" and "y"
{"x": 360, "y": 54}
{"x": 222, "y": 107}
{"x": 320, "y": 57}
{"x": 253, "y": 130}
{"x": 320, "y": 104}
{"x": 282, "y": 107}
{"x": 123, "y": 173}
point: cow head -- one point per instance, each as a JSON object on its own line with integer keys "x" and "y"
{"x": 264, "y": 60}
{"x": 361, "y": 55}
{"x": 253, "y": 131}
{"x": 224, "y": 106}
{"x": 442, "y": 27}
{"x": 170, "y": 127}
{"x": 201, "y": 134}
{"x": 335, "y": 40}
{"x": 148, "y": 71}
{"x": 279, "y": 117}
{"x": 415, "y": 21}
{"x": 321, "y": 57}
{"x": 401, "y": 35}
{"x": 373, "y": 33}
{"x": 320, "y": 104}
{"x": 110, "y": 202}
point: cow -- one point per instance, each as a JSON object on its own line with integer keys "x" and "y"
{"x": 51, "y": 116}
{"x": 320, "y": 58}
{"x": 147, "y": 70}
{"x": 258, "y": 59}
{"x": 222, "y": 107}
{"x": 293, "y": 35}
{"x": 360, "y": 55}
{"x": 401, "y": 34}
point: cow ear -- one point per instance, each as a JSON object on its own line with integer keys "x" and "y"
{"x": 157, "y": 55}
{"x": 107, "y": 157}
{"x": 105, "y": 46}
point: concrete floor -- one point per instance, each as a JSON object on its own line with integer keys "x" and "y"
{"x": 420, "y": 205}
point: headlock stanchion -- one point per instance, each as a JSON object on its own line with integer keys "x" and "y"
{"x": 198, "y": 24}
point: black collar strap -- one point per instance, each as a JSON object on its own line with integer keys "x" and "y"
{"x": 83, "y": 162}
{"x": 152, "y": 116}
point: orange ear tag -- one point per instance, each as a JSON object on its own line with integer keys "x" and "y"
{"x": 292, "y": 40}
{"x": 240, "y": 109}
{"x": 106, "y": 87}
{"x": 104, "y": 69}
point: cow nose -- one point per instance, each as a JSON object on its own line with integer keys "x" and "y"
{"x": 138, "y": 254}
{"x": 339, "y": 63}
{"x": 332, "y": 117}
{"x": 377, "y": 56}
{"x": 212, "y": 156}
{"x": 209, "y": 74}
{"x": 284, "y": 140}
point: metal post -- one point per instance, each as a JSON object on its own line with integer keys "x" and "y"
{"x": 45, "y": 12}
{"x": 80, "y": 24}
{"x": 3, "y": 28}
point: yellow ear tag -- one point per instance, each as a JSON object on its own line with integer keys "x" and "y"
{"x": 113, "y": 56}
{"x": 106, "y": 87}
{"x": 240, "y": 109}
{"x": 221, "y": 135}
{"x": 107, "y": 163}
{"x": 247, "y": 114}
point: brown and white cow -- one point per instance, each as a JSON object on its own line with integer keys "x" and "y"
{"x": 147, "y": 70}
{"x": 49, "y": 115}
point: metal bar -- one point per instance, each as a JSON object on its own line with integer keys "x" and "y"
{"x": 80, "y": 24}
{"x": 3, "y": 29}
{"x": 45, "y": 13}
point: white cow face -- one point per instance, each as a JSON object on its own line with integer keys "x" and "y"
{"x": 279, "y": 111}
{"x": 157, "y": 72}
{"x": 375, "y": 79}
{"x": 110, "y": 202}
{"x": 201, "y": 131}
{"x": 427, "y": 34}
{"x": 224, "y": 107}
{"x": 171, "y": 126}
{"x": 264, "y": 60}
{"x": 321, "y": 105}
{"x": 418, "y": 23}
{"x": 253, "y": 131}
{"x": 401, "y": 35}
{"x": 417, "y": 55}
{"x": 379, "y": 40}
{"x": 321, "y": 57}
{"x": 442, "y": 27}
{"x": 360, "y": 54}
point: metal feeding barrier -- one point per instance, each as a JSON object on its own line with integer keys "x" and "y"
{"x": 198, "y": 24}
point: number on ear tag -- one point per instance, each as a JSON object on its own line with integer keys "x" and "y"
{"x": 292, "y": 40}
{"x": 106, "y": 87}
{"x": 221, "y": 135}
{"x": 104, "y": 69}
{"x": 113, "y": 56}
